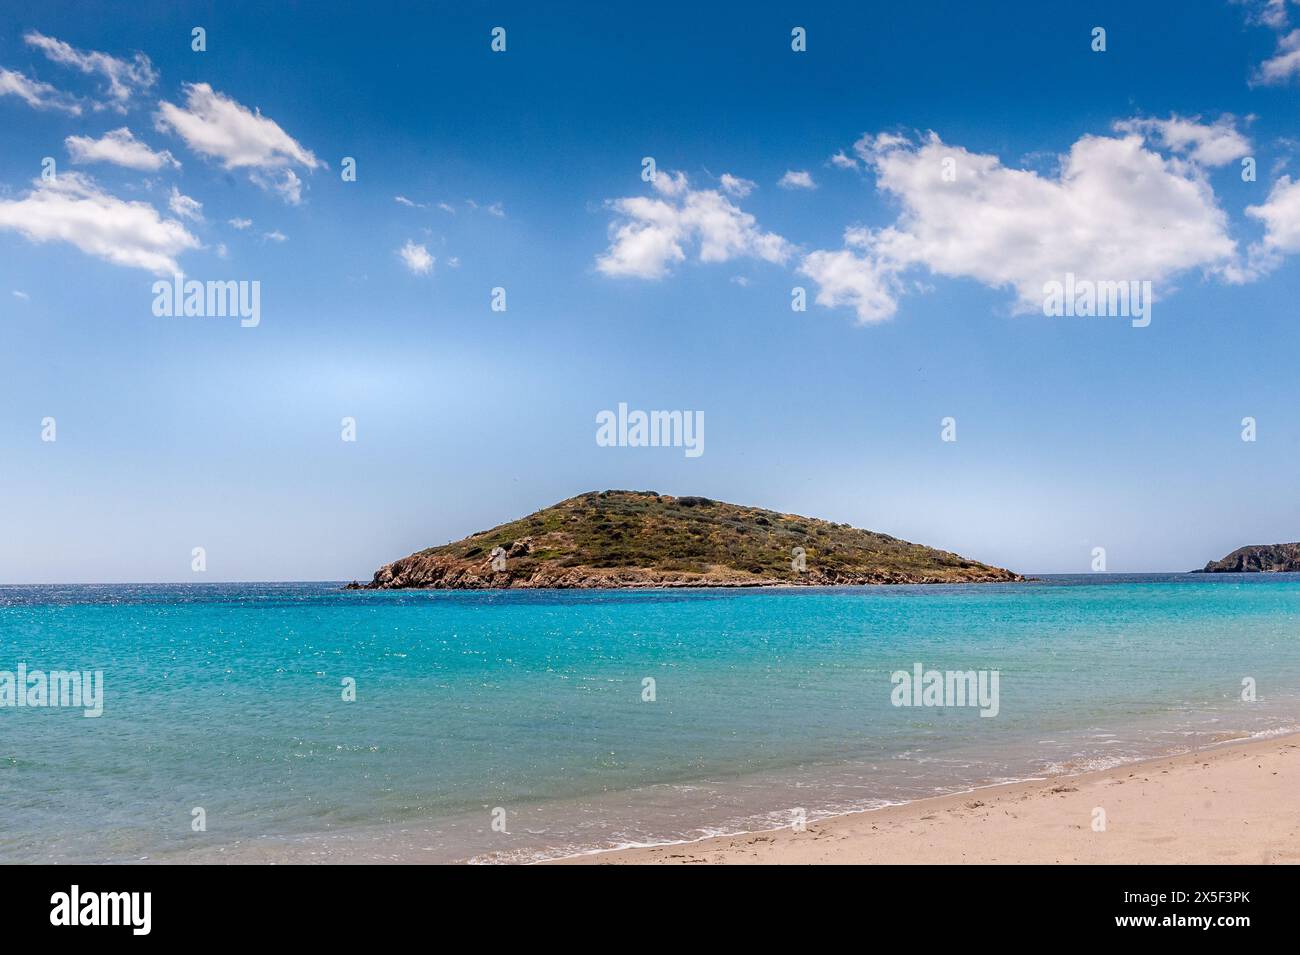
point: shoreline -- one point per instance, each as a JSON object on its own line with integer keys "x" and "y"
{"x": 720, "y": 583}
{"x": 1231, "y": 802}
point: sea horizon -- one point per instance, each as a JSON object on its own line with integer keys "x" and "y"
{"x": 344, "y": 581}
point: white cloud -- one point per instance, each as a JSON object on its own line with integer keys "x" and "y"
{"x": 447, "y": 207}
{"x": 216, "y": 126}
{"x": 1284, "y": 64}
{"x": 842, "y": 161}
{"x": 416, "y": 258}
{"x": 1270, "y": 13}
{"x": 652, "y": 234}
{"x": 282, "y": 181}
{"x": 36, "y": 94}
{"x": 735, "y": 186}
{"x": 1116, "y": 210}
{"x": 124, "y": 78}
{"x": 846, "y": 279}
{"x": 73, "y": 209}
{"x": 22, "y": 295}
{"x": 1280, "y": 214}
{"x": 796, "y": 179}
{"x": 240, "y": 224}
{"x": 184, "y": 206}
{"x": 496, "y": 210}
{"x": 275, "y": 236}
{"x": 403, "y": 201}
{"x": 1274, "y": 14}
{"x": 1209, "y": 145}
{"x": 120, "y": 148}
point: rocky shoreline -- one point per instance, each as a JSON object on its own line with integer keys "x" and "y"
{"x": 1257, "y": 559}
{"x": 445, "y": 573}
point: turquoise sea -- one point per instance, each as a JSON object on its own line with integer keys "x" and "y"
{"x": 229, "y": 698}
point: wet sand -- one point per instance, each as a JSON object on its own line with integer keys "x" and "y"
{"x": 1233, "y": 803}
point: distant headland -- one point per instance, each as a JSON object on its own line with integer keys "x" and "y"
{"x": 1257, "y": 559}
{"x": 644, "y": 539}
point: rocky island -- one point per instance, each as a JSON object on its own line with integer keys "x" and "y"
{"x": 644, "y": 539}
{"x": 1257, "y": 559}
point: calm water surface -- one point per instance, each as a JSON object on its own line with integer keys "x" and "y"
{"x": 229, "y": 698}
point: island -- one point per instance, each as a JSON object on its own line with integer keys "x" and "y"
{"x": 1257, "y": 559}
{"x": 644, "y": 539}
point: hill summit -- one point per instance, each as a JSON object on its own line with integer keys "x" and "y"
{"x": 644, "y": 539}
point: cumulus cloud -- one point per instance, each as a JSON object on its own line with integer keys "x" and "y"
{"x": 1283, "y": 64}
{"x": 36, "y": 94}
{"x": 1280, "y": 214}
{"x": 651, "y": 234}
{"x": 796, "y": 179}
{"x": 845, "y": 278}
{"x": 1210, "y": 145}
{"x": 1116, "y": 210}
{"x": 184, "y": 206}
{"x": 218, "y": 127}
{"x": 119, "y": 147}
{"x": 73, "y": 209}
{"x": 123, "y": 78}
{"x": 416, "y": 258}
{"x": 275, "y": 236}
{"x": 735, "y": 186}
{"x": 240, "y": 224}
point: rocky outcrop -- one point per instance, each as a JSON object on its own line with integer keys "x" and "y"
{"x": 642, "y": 539}
{"x": 449, "y": 573}
{"x": 1258, "y": 559}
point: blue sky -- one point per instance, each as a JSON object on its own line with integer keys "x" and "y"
{"x": 520, "y": 169}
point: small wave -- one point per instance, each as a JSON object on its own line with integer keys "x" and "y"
{"x": 1086, "y": 764}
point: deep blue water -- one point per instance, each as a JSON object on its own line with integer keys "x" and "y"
{"x": 228, "y": 697}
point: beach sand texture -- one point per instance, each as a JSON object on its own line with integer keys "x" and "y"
{"x": 1236, "y": 803}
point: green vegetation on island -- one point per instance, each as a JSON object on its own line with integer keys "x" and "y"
{"x": 644, "y": 539}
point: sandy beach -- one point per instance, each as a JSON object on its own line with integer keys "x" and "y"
{"x": 1237, "y": 803}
